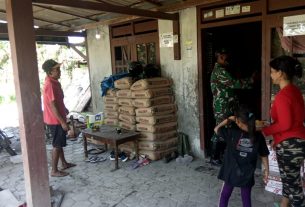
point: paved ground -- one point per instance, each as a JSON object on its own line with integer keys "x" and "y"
{"x": 154, "y": 185}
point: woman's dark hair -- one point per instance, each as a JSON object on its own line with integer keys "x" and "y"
{"x": 246, "y": 116}
{"x": 290, "y": 66}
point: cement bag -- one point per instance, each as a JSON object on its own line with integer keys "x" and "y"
{"x": 152, "y": 120}
{"x": 157, "y": 128}
{"x": 128, "y": 110}
{"x": 159, "y": 145}
{"x": 111, "y": 92}
{"x": 149, "y": 136}
{"x": 151, "y": 93}
{"x": 127, "y": 119}
{"x": 112, "y": 122}
{"x": 111, "y": 107}
{"x": 123, "y": 83}
{"x": 124, "y": 125}
{"x": 151, "y": 83}
{"x": 110, "y": 100}
{"x": 126, "y": 93}
{"x": 125, "y": 102}
{"x": 147, "y": 102}
{"x": 111, "y": 114}
{"x": 156, "y": 110}
{"x": 157, "y": 155}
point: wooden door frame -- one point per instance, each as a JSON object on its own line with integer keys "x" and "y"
{"x": 201, "y": 69}
{"x": 268, "y": 21}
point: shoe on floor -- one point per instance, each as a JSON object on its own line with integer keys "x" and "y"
{"x": 112, "y": 155}
{"x": 179, "y": 159}
{"x": 123, "y": 156}
{"x": 216, "y": 162}
{"x": 187, "y": 159}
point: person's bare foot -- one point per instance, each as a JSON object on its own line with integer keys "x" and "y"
{"x": 68, "y": 165}
{"x": 59, "y": 174}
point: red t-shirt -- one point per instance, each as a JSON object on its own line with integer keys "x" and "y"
{"x": 52, "y": 92}
{"x": 288, "y": 114}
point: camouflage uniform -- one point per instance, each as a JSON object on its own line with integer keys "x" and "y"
{"x": 224, "y": 99}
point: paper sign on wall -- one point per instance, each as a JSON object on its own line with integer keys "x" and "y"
{"x": 231, "y": 10}
{"x": 219, "y": 13}
{"x": 294, "y": 25}
{"x": 166, "y": 40}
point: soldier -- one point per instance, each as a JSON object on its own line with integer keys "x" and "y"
{"x": 224, "y": 99}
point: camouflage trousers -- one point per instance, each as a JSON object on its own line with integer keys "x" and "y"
{"x": 290, "y": 156}
{"x": 219, "y": 117}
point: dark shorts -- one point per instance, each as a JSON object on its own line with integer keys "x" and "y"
{"x": 56, "y": 134}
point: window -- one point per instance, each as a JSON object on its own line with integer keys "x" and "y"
{"x": 134, "y": 41}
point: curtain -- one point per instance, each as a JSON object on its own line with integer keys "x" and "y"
{"x": 294, "y": 44}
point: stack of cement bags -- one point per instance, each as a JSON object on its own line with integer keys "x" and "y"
{"x": 111, "y": 108}
{"x": 155, "y": 116}
{"x": 127, "y": 118}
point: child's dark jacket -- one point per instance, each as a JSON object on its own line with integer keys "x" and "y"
{"x": 240, "y": 156}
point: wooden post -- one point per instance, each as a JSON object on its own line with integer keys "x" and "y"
{"x": 177, "y": 45}
{"x": 23, "y": 49}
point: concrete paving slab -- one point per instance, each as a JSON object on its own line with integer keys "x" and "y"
{"x": 7, "y": 199}
{"x": 154, "y": 185}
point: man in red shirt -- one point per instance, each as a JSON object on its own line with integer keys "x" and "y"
{"x": 54, "y": 116}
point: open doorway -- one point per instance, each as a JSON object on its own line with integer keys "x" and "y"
{"x": 244, "y": 41}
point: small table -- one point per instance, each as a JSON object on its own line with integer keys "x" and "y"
{"x": 108, "y": 135}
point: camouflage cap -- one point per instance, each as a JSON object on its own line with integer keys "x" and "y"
{"x": 222, "y": 51}
{"x": 48, "y": 65}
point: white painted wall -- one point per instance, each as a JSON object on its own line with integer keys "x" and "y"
{"x": 184, "y": 73}
{"x": 99, "y": 54}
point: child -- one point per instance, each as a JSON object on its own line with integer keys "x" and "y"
{"x": 244, "y": 145}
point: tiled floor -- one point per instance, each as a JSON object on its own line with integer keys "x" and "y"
{"x": 156, "y": 185}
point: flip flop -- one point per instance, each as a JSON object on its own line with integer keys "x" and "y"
{"x": 68, "y": 165}
{"x": 59, "y": 174}
{"x": 90, "y": 158}
{"x": 96, "y": 151}
{"x": 94, "y": 159}
{"x": 101, "y": 159}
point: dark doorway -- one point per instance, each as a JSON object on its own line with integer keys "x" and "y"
{"x": 244, "y": 41}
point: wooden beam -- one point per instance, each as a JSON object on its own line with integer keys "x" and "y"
{"x": 165, "y": 8}
{"x": 65, "y": 12}
{"x": 110, "y": 2}
{"x": 43, "y": 20}
{"x": 109, "y": 8}
{"x": 177, "y": 45}
{"x": 154, "y": 2}
{"x": 45, "y": 32}
{"x": 25, "y": 70}
{"x": 79, "y": 52}
{"x": 105, "y": 22}
{"x": 52, "y": 22}
{"x": 186, "y": 4}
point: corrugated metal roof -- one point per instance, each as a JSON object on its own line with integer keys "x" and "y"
{"x": 63, "y": 18}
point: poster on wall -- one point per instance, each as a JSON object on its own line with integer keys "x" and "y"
{"x": 294, "y": 25}
{"x": 167, "y": 40}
